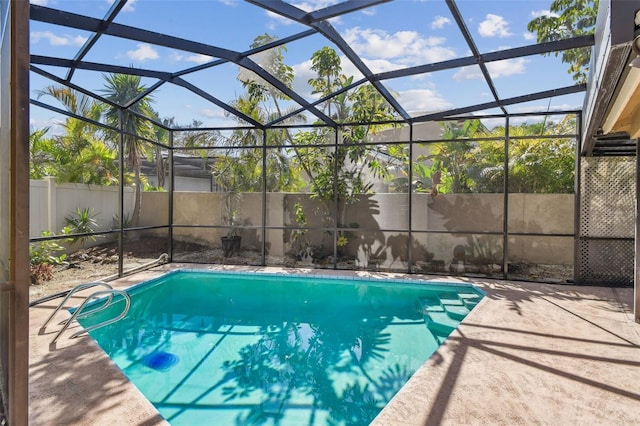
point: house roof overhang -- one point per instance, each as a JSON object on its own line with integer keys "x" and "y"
{"x": 611, "y": 120}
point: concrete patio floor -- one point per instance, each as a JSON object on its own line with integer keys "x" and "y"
{"x": 529, "y": 353}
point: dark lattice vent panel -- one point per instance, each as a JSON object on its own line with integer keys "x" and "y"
{"x": 607, "y": 262}
{"x": 607, "y": 221}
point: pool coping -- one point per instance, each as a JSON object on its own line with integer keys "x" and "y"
{"x": 528, "y": 312}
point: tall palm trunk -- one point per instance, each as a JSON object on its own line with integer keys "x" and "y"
{"x": 137, "y": 194}
{"x": 134, "y": 161}
{"x": 160, "y": 167}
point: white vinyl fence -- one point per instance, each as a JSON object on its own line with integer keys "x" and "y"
{"x": 51, "y": 202}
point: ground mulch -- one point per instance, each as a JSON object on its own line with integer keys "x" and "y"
{"x": 101, "y": 261}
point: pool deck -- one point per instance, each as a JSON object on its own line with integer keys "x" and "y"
{"x": 529, "y": 353}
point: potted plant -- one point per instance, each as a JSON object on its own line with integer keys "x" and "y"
{"x": 229, "y": 174}
{"x": 232, "y": 241}
{"x": 231, "y": 215}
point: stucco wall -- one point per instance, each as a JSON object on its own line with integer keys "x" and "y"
{"x": 380, "y": 221}
{"x": 433, "y": 220}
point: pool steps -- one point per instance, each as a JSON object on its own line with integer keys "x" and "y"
{"x": 444, "y": 311}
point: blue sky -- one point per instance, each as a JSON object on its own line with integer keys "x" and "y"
{"x": 390, "y": 36}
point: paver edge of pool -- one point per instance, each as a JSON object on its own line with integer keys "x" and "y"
{"x": 445, "y": 286}
{"x": 288, "y": 275}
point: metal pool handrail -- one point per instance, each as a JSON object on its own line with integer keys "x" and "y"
{"x": 95, "y": 295}
{"x": 76, "y": 289}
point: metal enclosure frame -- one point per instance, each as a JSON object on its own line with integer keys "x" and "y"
{"x": 318, "y": 23}
{"x": 16, "y": 324}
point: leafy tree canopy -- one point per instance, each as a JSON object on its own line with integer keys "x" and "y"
{"x": 566, "y": 19}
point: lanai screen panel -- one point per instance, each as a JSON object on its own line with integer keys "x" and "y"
{"x": 607, "y": 221}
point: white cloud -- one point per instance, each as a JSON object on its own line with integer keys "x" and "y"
{"x": 507, "y": 67}
{"x": 209, "y": 113}
{"x": 413, "y": 100}
{"x": 278, "y": 19}
{"x": 439, "y": 22}
{"x": 232, "y": 3}
{"x": 302, "y": 73}
{"x": 311, "y": 5}
{"x": 143, "y": 53}
{"x": 490, "y": 123}
{"x": 517, "y": 121}
{"x": 307, "y": 6}
{"x": 376, "y": 66}
{"x": 422, "y": 101}
{"x": 195, "y": 58}
{"x": 56, "y": 40}
{"x": 407, "y": 48}
{"x": 545, "y": 107}
{"x": 538, "y": 13}
{"x": 128, "y": 7}
{"x": 55, "y": 125}
{"x": 493, "y": 26}
{"x": 176, "y": 57}
{"x": 496, "y": 69}
{"x": 529, "y": 36}
{"x": 40, "y": 2}
{"x": 198, "y": 58}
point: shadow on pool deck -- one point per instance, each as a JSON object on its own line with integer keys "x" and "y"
{"x": 527, "y": 354}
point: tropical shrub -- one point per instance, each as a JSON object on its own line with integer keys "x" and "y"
{"x": 43, "y": 257}
{"x": 82, "y": 222}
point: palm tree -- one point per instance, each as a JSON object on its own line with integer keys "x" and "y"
{"x": 121, "y": 89}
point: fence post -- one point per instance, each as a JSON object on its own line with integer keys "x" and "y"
{"x": 52, "y": 203}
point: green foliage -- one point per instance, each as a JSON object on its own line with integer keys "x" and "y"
{"x": 299, "y": 235}
{"x": 230, "y": 177}
{"x": 193, "y": 138}
{"x": 473, "y": 160}
{"x": 82, "y": 222}
{"x": 271, "y": 60}
{"x": 455, "y": 160}
{"x": 326, "y": 63}
{"x": 93, "y": 163}
{"x": 80, "y": 155}
{"x": 342, "y": 173}
{"x": 39, "y": 152}
{"x": 542, "y": 167}
{"x": 536, "y": 165}
{"x": 301, "y": 217}
{"x": 126, "y": 223}
{"x": 568, "y": 18}
{"x": 152, "y": 188}
{"x": 423, "y": 175}
{"x": 45, "y": 251}
{"x": 232, "y": 215}
{"x": 242, "y": 162}
{"x": 43, "y": 256}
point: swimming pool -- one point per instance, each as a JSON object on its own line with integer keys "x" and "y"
{"x": 210, "y": 347}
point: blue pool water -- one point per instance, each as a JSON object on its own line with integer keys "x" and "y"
{"x": 226, "y": 349}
